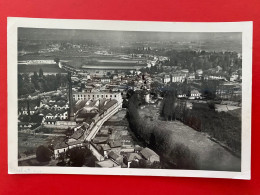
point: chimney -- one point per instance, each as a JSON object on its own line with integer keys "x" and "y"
{"x": 70, "y": 112}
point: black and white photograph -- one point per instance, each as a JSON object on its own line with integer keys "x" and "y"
{"x": 129, "y": 98}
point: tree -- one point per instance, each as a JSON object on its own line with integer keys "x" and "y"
{"x": 134, "y": 164}
{"x": 69, "y": 131}
{"x": 209, "y": 88}
{"x": 43, "y": 154}
{"x": 61, "y": 159}
{"x": 56, "y": 60}
{"x": 91, "y": 161}
{"x": 169, "y": 105}
{"x": 35, "y": 80}
{"x": 20, "y": 84}
{"x": 142, "y": 163}
{"x": 183, "y": 158}
{"x": 41, "y": 73}
{"x": 77, "y": 157}
{"x": 152, "y": 141}
{"x": 212, "y": 105}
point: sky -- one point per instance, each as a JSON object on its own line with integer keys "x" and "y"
{"x": 101, "y": 35}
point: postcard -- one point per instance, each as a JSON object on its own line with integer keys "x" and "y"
{"x": 129, "y": 98}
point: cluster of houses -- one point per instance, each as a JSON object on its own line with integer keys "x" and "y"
{"x": 118, "y": 150}
{"x": 49, "y": 110}
{"x": 181, "y": 76}
{"x": 88, "y": 112}
{"x": 124, "y": 160}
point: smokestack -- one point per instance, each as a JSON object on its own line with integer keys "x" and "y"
{"x": 70, "y": 112}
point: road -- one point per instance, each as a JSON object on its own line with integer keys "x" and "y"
{"x": 99, "y": 124}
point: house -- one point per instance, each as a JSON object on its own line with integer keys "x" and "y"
{"x": 59, "y": 148}
{"x": 150, "y": 155}
{"x": 49, "y": 116}
{"x": 100, "y": 139}
{"x": 24, "y": 125}
{"x": 199, "y": 72}
{"x": 50, "y": 121}
{"x": 116, "y": 158}
{"x": 107, "y": 164}
{"x": 105, "y": 80}
{"x": 191, "y": 76}
{"x": 66, "y": 124}
{"x": 115, "y": 144}
{"x": 62, "y": 114}
{"x": 214, "y": 77}
{"x": 72, "y": 143}
{"x": 77, "y": 134}
{"x": 138, "y": 148}
{"x": 128, "y": 158}
{"x": 234, "y": 77}
{"x": 178, "y": 77}
{"x": 133, "y": 156}
{"x": 166, "y": 79}
{"x": 105, "y": 147}
{"x": 194, "y": 94}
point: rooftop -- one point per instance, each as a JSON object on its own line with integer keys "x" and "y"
{"x": 107, "y": 164}
{"x": 147, "y": 153}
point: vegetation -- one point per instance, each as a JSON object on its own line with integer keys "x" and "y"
{"x": 39, "y": 82}
{"x": 81, "y": 156}
{"x": 222, "y": 126}
{"x": 158, "y": 138}
{"x": 192, "y": 60}
{"x": 43, "y": 154}
{"x": 183, "y": 158}
{"x": 209, "y": 88}
{"x": 169, "y": 106}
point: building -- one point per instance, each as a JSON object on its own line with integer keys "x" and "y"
{"x": 97, "y": 95}
{"x": 194, "y": 94}
{"x": 107, "y": 164}
{"x": 234, "y": 77}
{"x": 199, "y": 72}
{"x": 128, "y": 158}
{"x": 105, "y": 80}
{"x": 149, "y": 155}
{"x": 178, "y": 77}
{"x": 214, "y": 77}
{"x": 191, "y": 77}
{"x": 59, "y": 148}
{"x": 166, "y": 79}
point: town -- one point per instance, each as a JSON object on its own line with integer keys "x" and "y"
{"x": 142, "y": 105}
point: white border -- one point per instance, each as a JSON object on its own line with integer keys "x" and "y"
{"x": 245, "y": 27}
